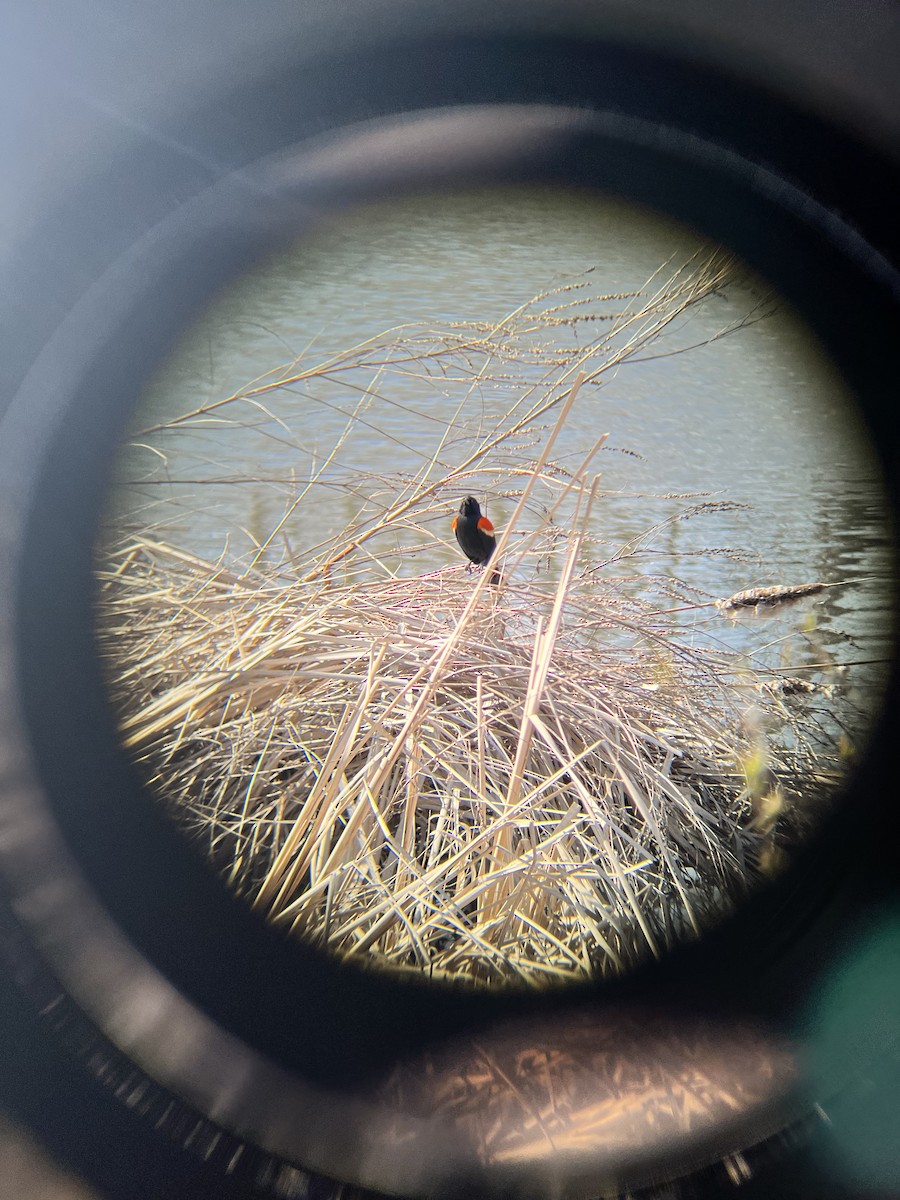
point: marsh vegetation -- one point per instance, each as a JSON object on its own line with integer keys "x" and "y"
{"x": 411, "y": 767}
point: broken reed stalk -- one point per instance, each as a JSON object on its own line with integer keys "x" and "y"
{"x": 770, "y": 597}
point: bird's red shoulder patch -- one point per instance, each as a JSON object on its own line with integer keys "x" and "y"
{"x": 453, "y": 524}
{"x": 484, "y": 525}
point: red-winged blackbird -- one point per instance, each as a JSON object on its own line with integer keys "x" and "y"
{"x": 475, "y": 534}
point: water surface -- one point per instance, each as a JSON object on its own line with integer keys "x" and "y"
{"x": 758, "y": 418}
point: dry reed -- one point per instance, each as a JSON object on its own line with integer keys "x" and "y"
{"x": 529, "y": 783}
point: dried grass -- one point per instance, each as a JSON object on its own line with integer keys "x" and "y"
{"x": 527, "y": 783}
{"x": 465, "y": 789}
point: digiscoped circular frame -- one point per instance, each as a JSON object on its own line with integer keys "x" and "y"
{"x": 266, "y": 1040}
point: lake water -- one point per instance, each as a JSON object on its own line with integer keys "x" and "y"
{"x": 758, "y": 418}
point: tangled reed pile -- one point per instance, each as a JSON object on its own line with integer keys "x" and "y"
{"x": 526, "y": 783}
{"x": 447, "y": 776}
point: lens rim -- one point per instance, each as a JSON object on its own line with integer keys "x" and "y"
{"x": 123, "y": 327}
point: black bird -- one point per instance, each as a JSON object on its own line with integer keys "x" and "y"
{"x": 475, "y": 534}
